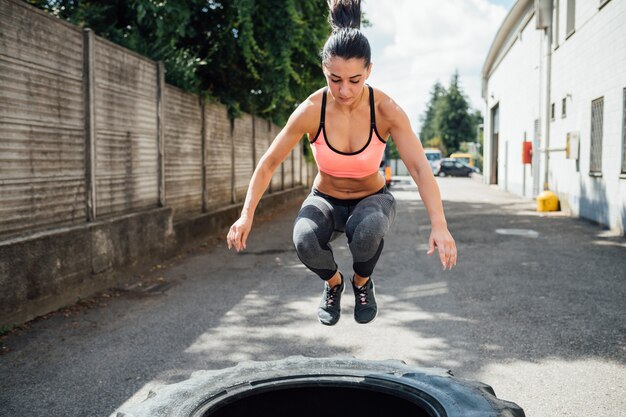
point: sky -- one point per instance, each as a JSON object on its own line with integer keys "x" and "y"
{"x": 416, "y": 43}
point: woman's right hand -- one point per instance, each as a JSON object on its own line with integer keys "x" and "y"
{"x": 238, "y": 234}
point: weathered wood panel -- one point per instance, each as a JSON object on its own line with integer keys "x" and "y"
{"x": 218, "y": 154}
{"x": 261, "y": 138}
{"x": 126, "y": 130}
{"x": 41, "y": 121}
{"x": 244, "y": 160}
{"x": 183, "y": 153}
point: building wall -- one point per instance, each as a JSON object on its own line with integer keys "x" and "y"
{"x": 588, "y": 64}
{"x": 514, "y": 87}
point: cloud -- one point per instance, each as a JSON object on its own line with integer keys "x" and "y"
{"x": 416, "y": 43}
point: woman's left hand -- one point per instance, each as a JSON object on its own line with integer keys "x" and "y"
{"x": 441, "y": 239}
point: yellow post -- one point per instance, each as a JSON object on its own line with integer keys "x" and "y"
{"x": 547, "y": 201}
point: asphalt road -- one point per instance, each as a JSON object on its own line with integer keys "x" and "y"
{"x": 536, "y": 308}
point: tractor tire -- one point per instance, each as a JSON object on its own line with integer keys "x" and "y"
{"x": 307, "y": 387}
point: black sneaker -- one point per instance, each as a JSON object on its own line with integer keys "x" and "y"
{"x": 330, "y": 307}
{"x": 365, "y": 308}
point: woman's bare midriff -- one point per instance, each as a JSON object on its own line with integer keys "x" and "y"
{"x": 349, "y": 188}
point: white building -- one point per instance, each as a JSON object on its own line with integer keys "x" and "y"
{"x": 557, "y": 70}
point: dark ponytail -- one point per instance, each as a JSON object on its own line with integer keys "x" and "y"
{"x": 346, "y": 41}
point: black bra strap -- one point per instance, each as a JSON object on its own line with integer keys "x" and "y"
{"x": 323, "y": 115}
{"x": 372, "y": 111}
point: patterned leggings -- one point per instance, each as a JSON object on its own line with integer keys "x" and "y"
{"x": 323, "y": 218}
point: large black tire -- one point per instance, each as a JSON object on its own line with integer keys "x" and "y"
{"x": 304, "y": 387}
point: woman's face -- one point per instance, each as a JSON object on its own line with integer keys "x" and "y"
{"x": 346, "y": 78}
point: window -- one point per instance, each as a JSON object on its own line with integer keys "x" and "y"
{"x": 564, "y": 108}
{"x": 597, "y": 109}
{"x": 571, "y": 18}
{"x": 552, "y": 112}
{"x": 624, "y": 134}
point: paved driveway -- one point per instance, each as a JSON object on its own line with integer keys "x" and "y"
{"x": 535, "y": 308}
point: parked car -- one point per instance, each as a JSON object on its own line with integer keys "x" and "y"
{"x": 434, "y": 156}
{"x": 454, "y": 168}
{"x": 464, "y": 157}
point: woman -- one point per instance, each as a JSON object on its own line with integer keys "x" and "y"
{"x": 347, "y": 124}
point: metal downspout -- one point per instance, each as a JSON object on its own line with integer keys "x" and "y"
{"x": 548, "y": 100}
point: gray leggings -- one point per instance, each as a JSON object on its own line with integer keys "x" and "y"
{"x": 323, "y": 218}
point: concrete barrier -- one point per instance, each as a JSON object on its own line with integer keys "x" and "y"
{"x": 45, "y": 271}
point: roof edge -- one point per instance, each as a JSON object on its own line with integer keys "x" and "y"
{"x": 510, "y": 23}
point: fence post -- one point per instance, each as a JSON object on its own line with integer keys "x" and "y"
{"x": 253, "y": 142}
{"x": 161, "y": 132}
{"x": 233, "y": 188}
{"x": 203, "y": 146}
{"x": 270, "y": 139}
{"x": 89, "y": 94}
{"x": 301, "y": 154}
{"x": 293, "y": 169}
{"x": 282, "y": 176}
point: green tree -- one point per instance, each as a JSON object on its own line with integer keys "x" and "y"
{"x": 393, "y": 149}
{"x": 153, "y": 29}
{"x": 448, "y": 121}
{"x": 252, "y": 55}
{"x": 429, "y": 129}
{"x": 453, "y": 118}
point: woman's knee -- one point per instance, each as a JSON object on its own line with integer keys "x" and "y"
{"x": 370, "y": 228}
{"x": 372, "y": 217}
{"x": 305, "y": 239}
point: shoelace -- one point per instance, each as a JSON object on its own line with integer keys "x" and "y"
{"x": 362, "y": 294}
{"x": 331, "y": 293}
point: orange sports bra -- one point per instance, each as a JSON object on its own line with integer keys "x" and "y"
{"x": 359, "y": 164}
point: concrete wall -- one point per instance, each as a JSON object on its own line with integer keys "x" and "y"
{"x": 45, "y": 271}
{"x": 106, "y": 169}
{"x": 587, "y": 65}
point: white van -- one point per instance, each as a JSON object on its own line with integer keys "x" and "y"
{"x": 434, "y": 156}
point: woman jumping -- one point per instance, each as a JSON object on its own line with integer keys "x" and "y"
{"x": 347, "y": 123}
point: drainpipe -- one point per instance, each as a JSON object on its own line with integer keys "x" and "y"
{"x": 548, "y": 104}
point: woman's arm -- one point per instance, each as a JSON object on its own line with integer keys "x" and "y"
{"x": 298, "y": 124}
{"x": 412, "y": 154}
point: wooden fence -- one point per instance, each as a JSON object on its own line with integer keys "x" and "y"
{"x": 90, "y": 130}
